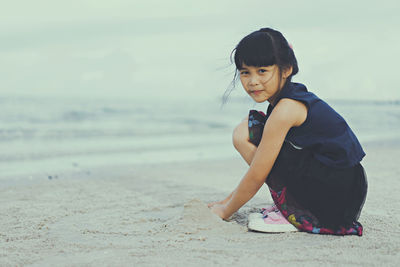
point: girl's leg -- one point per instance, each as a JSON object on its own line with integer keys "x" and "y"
{"x": 240, "y": 139}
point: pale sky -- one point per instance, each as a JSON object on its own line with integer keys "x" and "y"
{"x": 180, "y": 49}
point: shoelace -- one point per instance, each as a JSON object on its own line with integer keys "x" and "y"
{"x": 271, "y": 209}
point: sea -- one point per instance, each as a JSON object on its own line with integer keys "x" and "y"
{"x": 43, "y": 137}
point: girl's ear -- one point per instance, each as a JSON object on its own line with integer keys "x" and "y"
{"x": 287, "y": 72}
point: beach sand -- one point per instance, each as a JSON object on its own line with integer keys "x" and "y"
{"x": 156, "y": 215}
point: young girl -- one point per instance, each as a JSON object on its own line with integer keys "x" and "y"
{"x": 302, "y": 149}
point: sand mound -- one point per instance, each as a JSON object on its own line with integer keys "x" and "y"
{"x": 198, "y": 217}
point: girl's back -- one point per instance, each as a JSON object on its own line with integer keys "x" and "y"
{"x": 324, "y": 131}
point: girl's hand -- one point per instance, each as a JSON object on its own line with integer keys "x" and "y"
{"x": 222, "y": 202}
{"x": 219, "y": 209}
{"x": 210, "y": 205}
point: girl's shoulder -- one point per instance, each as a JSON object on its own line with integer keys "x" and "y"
{"x": 292, "y": 110}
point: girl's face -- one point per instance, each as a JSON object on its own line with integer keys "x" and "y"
{"x": 262, "y": 83}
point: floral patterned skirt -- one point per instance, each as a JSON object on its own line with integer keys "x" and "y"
{"x": 312, "y": 196}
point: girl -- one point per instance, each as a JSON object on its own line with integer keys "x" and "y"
{"x": 302, "y": 149}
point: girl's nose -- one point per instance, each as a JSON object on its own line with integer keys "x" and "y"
{"x": 253, "y": 81}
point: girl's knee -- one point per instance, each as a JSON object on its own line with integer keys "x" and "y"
{"x": 241, "y": 133}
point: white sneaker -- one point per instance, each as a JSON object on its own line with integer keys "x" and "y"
{"x": 270, "y": 222}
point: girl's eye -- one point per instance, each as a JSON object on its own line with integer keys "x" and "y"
{"x": 262, "y": 70}
{"x": 244, "y": 72}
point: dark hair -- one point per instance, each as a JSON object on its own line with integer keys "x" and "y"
{"x": 264, "y": 47}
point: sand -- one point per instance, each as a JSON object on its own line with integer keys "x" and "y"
{"x": 156, "y": 215}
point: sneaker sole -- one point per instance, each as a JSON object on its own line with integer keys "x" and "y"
{"x": 256, "y": 223}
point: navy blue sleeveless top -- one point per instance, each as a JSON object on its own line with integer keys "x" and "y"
{"x": 324, "y": 131}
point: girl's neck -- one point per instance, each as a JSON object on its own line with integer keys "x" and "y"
{"x": 272, "y": 99}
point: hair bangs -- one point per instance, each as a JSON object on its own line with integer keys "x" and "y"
{"x": 255, "y": 50}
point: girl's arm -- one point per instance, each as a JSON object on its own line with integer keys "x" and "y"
{"x": 286, "y": 114}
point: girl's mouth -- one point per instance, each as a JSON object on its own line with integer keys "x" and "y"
{"x": 256, "y": 92}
